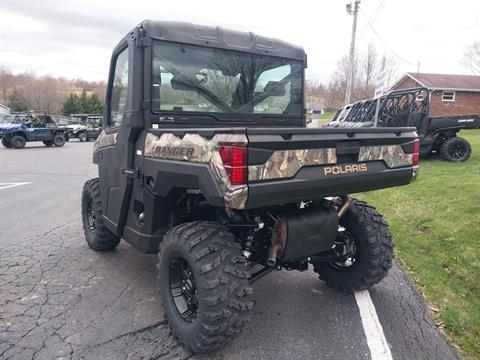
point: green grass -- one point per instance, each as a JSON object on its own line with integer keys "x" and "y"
{"x": 323, "y": 119}
{"x": 436, "y": 226}
{"x": 327, "y": 115}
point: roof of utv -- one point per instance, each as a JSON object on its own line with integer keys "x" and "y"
{"x": 219, "y": 37}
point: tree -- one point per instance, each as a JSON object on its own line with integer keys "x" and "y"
{"x": 46, "y": 93}
{"x": 369, "y": 71}
{"x": 93, "y": 105}
{"x": 17, "y": 100}
{"x": 7, "y": 82}
{"x": 471, "y": 57}
{"x": 84, "y": 101}
{"x": 83, "y": 104}
{"x": 72, "y": 105}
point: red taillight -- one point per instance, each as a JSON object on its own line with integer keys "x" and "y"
{"x": 235, "y": 162}
{"x": 416, "y": 152}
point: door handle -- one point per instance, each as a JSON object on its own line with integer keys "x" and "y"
{"x": 131, "y": 173}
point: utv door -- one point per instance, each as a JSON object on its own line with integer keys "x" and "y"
{"x": 39, "y": 134}
{"x": 115, "y": 156}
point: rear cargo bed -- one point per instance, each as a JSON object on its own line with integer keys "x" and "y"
{"x": 291, "y": 164}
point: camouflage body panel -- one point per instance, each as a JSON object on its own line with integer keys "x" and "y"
{"x": 392, "y": 155}
{"x": 286, "y": 163}
{"x": 196, "y": 148}
{"x": 104, "y": 140}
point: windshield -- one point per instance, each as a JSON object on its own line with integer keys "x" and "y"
{"x": 6, "y": 119}
{"x": 200, "y": 79}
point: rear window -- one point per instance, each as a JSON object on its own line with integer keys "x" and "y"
{"x": 189, "y": 78}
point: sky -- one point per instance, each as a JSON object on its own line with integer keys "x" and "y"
{"x": 74, "y": 39}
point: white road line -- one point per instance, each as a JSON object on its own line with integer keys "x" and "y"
{"x": 9, "y": 185}
{"x": 379, "y": 349}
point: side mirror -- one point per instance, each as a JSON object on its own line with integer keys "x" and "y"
{"x": 202, "y": 78}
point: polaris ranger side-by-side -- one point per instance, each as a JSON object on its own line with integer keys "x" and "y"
{"x": 205, "y": 158}
{"x": 411, "y": 107}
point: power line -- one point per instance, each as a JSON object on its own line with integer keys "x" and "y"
{"x": 384, "y": 42}
{"x": 377, "y": 12}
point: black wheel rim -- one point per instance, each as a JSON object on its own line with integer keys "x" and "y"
{"x": 457, "y": 150}
{"x": 183, "y": 288}
{"x": 348, "y": 258}
{"x": 90, "y": 212}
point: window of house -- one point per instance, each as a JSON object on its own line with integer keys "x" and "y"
{"x": 448, "y": 96}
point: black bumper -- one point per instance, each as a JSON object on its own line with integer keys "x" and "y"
{"x": 311, "y": 183}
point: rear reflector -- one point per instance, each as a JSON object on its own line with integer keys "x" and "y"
{"x": 234, "y": 160}
{"x": 416, "y": 152}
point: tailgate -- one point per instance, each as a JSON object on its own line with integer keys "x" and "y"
{"x": 455, "y": 122}
{"x": 289, "y": 165}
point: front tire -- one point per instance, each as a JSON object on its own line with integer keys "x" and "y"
{"x": 18, "y": 142}
{"x": 98, "y": 237}
{"x": 455, "y": 149}
{"x": 6, "y": 143}
{"x": 372, "y": 251}
{"x": 82, "y": 137}
{"x": 59, "y": 140}
{"x": 204, "y": 285}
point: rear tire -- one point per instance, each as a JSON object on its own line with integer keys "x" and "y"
{"x": 59, "y": 140}
{"x": 456, "y": 149}
{"x": 373, "y": 251}
{"x": 6, "y": 143}
{"x": 82, "y": 137}
{"x": 18, "y": 142}
{"x": 204, "y": 285}
{"x": 98, "y": 237}
{"x": 48, "y": 143}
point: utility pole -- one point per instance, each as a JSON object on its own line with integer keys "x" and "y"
{"x": 354, "y": 12}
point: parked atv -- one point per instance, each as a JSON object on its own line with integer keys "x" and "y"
{"x": 33, "y": 128}
{"x": 410, "y": 107}
{"x": 75, "y": 130}
{"x": 87, "y": 130}
{"x": 205, "y": 158}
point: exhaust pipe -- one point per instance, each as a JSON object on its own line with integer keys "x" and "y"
{"x": 272, "y": 256}
{"x": 279, "y": 239}
{"x": 345, "y": 205}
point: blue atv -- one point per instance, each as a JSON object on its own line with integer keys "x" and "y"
{"x": 33, "y": 128}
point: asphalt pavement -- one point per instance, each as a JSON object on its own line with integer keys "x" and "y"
{"x": 59, "y": 299}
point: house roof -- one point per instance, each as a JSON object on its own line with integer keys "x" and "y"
{"x": 445, "y": 81}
